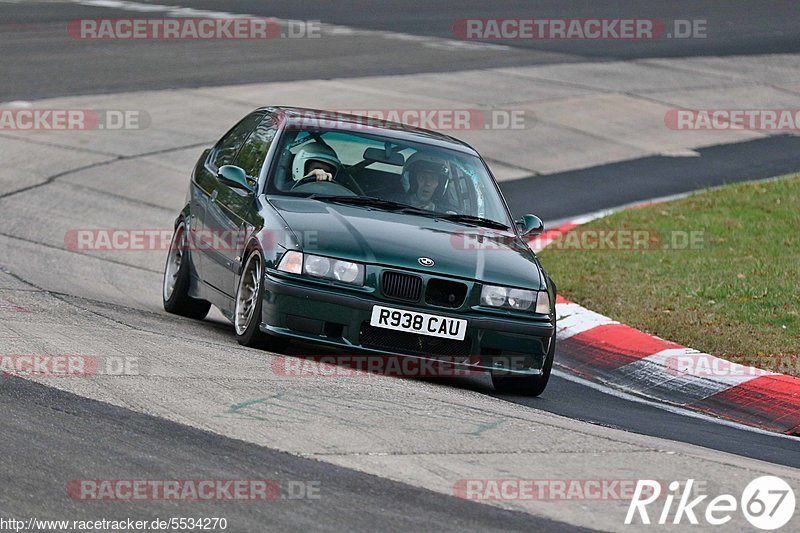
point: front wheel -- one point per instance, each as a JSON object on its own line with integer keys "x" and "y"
{"x": 175, "y": 291}
{"x": 527, "y": 385}
{"x": 247, "y": 312}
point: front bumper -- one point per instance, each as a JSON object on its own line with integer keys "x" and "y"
{"x": 340, "y": 318}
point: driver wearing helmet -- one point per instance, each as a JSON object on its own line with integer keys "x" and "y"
{"x": 426, "y": 178}
{"x": 315, "y": 160}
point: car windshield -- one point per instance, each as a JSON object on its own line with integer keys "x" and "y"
{"x": 371, "y": 170}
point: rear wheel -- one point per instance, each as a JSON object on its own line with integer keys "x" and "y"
{"x": 247, "y": 311}
{"x": 175, "y": 291}
{"x": 527, "y": 385}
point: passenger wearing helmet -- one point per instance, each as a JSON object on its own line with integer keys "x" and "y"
{"x": 315, "y": 159}
{"x": 426, "y": 178}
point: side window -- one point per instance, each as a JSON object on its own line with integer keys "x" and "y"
{"x": 254, "y": 151}
{"x": 229, "y": 146}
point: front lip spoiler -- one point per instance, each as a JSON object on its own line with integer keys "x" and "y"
{"x": 360, "y": 350}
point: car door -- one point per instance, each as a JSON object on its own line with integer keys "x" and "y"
{"x": 210, "y": 259}
{"x": 233, "y": 214}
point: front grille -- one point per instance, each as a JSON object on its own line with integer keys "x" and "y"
{"x": 401, "y": 286}
{"x": 445, "y": 293}
{"x": 411, "y": 343}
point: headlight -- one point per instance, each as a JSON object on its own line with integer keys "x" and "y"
{"x": 520, "y": 299}
{"x": 346, "y": 271}
{"x": 322, "y": 267}
{"x": 517, "y": 299}
{"x": 317, "y": 266}
{"x": 493, "y": 296}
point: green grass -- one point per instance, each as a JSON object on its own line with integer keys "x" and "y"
{"x": 736, "y": 295}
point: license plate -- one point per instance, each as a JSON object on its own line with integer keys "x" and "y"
{"x": 421, "y": 323}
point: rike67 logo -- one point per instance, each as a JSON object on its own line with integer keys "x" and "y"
{"x": 767, "y": 502}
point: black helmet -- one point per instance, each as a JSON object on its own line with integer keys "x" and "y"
{"x": 414, "y": 169}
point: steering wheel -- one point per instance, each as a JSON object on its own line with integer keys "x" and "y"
{"x": 307, "y": 179}
{"x": 351, "y": 184}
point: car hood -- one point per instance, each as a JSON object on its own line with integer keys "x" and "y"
{"x": 400, "y": 239}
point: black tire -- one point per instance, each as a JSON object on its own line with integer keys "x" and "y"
{"x": 177, "y": 301}
{"x": 249, "y": 334}
{"x": 527, "y": 385}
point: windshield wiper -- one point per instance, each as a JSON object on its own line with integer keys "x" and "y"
{"x": 478, "y": 221}
{"x": 371, "y": 201}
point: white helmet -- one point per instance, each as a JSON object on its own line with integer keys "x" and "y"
{"x": 314, "y": 151}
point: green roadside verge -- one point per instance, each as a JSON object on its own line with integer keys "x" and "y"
{"x": 718, "y": 271}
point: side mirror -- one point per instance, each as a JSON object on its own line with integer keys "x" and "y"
{"x": 235, "y": 177}
{"x": 530, "y": 225}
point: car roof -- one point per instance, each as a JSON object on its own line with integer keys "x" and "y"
{"x": 336, "y": 120}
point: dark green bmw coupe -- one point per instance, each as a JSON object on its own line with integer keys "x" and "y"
{"x": 368, "y": 236}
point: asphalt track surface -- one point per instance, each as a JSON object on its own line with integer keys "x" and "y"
{"x": 37, "y": 49}
{"x": 67, "y": 433}
{"x": 152, "y": 448}
{"x": 579, "y": 192}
